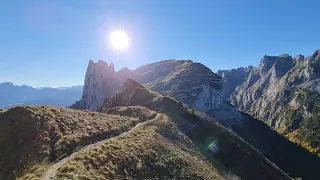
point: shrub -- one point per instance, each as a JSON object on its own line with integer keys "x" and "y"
{"x": 192, "y": 111}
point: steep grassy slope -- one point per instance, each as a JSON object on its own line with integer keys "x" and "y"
{"x": 34, "y": 136}
{"x": 291, "y": 158}
{"x": 233, "y": 153}
{"x": 139, "y": 112}
{"x": 153, "y": 150}
{"x": 161, "y": 139}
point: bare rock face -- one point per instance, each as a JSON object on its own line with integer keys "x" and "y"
{"x": 122, "y": 97}
{"x": 234, "y": 77}
{"x": 191, "y": 83}
{"x": 100, "y": 83}
{"x": 259, "y": 94}
{"x": 186, "y": 81}
{"x": 267, "y": 93}
{"x": 299, "y": 58}
{"x": 283, "y": 92}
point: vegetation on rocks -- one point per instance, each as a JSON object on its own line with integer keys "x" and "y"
{"x": 290, "y": 157}
{"x": 302, "y": 120}
{"x": 283, "y": 92}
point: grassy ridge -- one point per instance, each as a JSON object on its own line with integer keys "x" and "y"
{"x": 31, "y": 137}
{"x": 234, "y": 153}
{"x": 153, "y": 150}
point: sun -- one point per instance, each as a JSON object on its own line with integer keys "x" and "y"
{"x": 119, "y": 40}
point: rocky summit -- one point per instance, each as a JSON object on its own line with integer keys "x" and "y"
{"x": 164, "y": 120}
{"x": 184, "y": 80}
{"x": 140, "y": 134}
{"x": 284, "y": 93}
{"x": 234, "y": 77}
{"x": 100, "y": 83}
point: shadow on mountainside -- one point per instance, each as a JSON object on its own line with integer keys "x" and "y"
{"x": 291, "y": 158}
{"x": 233, "y": 153}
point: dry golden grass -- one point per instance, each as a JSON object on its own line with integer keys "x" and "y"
{"x": 234, "y": 153}
{"x": 142, "y": 113}
{"x": 30, "y": 136}
{"x": 153, "y": 150}
{"x": 158, "y": 148}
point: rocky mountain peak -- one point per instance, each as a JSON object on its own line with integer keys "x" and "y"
{"x": 111, "y": 67}
{"x": 124, "y": 74}
{"x": 280, "y": 62}
{"x": 299, "y": 58}
{"x": 132, "y": 84}
{"x": 274, "y": 96}
{"x": 316, "y": 55}
{"x": 184, "y": 80}
{"x": 100, "y": 62}
{"x": 125, "y": 69}
{"x": 284, "y": 55}
{"x": 234, "y": 77}
{"x": 100, "y": 83}
{"x": 7, "y": 84}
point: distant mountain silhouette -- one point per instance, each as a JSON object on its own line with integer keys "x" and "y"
{"x": 12, "y": 95}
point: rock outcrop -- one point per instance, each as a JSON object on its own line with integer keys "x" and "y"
{"x": 262, "y": 93}
{"x": 267, "y": 141}
{"x": 186, "y": 81}
{"x": 100, "y": 83}
{"x": 270, "y": 93}
{"x": 191, "y": 83}
{"x": 234, "y": 77}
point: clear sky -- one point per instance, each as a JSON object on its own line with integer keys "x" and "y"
{"x": 49, "y": 43}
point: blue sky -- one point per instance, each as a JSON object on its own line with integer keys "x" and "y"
{"x": 49, "y": 43}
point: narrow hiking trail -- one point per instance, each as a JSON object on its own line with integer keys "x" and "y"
{"x": 53, "y": 169}
{"x": 50, "y": 174}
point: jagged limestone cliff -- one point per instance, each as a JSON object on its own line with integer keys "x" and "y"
{"x": 184, "y": 80}
{"x": 272, "y": 93}
{"x": 100, "y": 83}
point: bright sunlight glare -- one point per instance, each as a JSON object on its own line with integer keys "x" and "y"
{"x": 119, "y": 40}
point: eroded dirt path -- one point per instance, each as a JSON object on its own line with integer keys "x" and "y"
{"x": 50, "y": 174}
{"x": 53, "y": 169}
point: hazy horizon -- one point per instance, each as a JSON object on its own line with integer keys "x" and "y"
{"x": 42, "y": 48}
{"x": 42, "y": 87}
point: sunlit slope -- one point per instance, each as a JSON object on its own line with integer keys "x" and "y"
{"x": 33, "y": 137}
{"x": 233, "y": 153}
{"x": 153, "y": 150}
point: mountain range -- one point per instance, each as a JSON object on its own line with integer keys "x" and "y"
{"x": 173, "y": 119}
{"x": 137, "y": 134}
{"x": 184, "y": 80}
{"x": 200, "y": 89}
{"x": 13, "y": 95}
{"x": 283, "y": 92}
